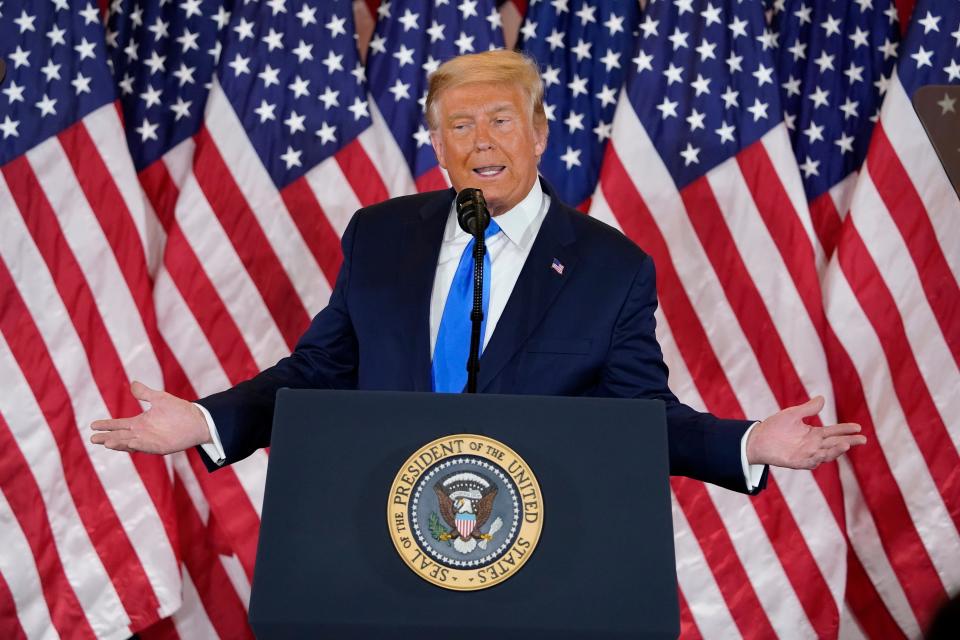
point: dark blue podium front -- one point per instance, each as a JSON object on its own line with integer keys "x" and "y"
{"x": 603, "y": 567}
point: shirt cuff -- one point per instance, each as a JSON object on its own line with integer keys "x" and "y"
{"x": 214, "y": 449}
{"x": 752, "y": 473}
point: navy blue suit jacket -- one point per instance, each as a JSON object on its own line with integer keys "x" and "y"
{"x": 586, "y": 332}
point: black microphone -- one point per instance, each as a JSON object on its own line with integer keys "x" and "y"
{"x": 472, "y": 214}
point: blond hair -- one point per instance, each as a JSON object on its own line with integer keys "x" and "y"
{"x": 492, "y": 67}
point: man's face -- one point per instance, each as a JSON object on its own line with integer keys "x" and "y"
{"x": 486, "y": 140}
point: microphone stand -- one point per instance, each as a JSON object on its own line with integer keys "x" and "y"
{"x": 476, "y": 314}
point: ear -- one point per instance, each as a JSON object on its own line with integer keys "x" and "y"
{"x": 436, "y": 140}
{"x": 540, "y": 132}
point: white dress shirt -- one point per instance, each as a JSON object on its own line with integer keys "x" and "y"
{"x": 508, "y": 251}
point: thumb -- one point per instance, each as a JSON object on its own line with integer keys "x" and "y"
{"x": 141, "y": 391}
{"x": 811, "y": 407}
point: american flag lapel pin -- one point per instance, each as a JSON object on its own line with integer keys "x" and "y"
{"x": 557, "y": 266}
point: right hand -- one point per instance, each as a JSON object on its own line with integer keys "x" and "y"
{"x": 171, "y": 424}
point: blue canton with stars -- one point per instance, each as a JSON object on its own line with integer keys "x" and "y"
{"x": 932, "y": 47}
{"x": 834, "y": 62}
{"x": 291, "y": 71}
{"x": 412, "y": 38}
{"x": 704, "y": 82}
{"x": 164, "y": 55}
{"x": 56, "y": 72}
{"x": 583, "y": 49}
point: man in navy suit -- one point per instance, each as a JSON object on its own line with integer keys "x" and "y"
{"x": 570, "y": 309}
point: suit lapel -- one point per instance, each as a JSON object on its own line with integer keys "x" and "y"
{"x": 422, "y": 236}
{"x": 536, "y": 289}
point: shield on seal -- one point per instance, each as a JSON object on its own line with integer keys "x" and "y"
{"x": 465, "y": 523}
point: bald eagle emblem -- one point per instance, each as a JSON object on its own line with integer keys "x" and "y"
{"x": 466, "y": 502}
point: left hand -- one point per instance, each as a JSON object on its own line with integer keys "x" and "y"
{"x": 785, "y": 440}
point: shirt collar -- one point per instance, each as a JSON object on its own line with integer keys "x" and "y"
{"x": 515, "y": 223}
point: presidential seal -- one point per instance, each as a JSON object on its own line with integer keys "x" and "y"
{"x": 465, "y": 512}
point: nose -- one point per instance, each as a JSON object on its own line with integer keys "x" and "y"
{"x": 483, "y": 140}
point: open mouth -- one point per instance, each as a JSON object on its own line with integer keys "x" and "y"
{"x": 490, "y": 170}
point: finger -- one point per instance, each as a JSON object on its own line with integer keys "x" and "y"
{"x": 835, "y": 452}
{"x": 811, "y": 407}
{"x": 842, "y": 429}
{"x": 141, "y": 391}
{"x": 111, "y": 424}
{"x": 117, "y": 440}
{"x": 853, "y": 441}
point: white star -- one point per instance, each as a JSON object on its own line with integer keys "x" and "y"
{"x": 578, "y": 85}
{"x": 126, "y": 84}
{"x": 690, "y": 155}
{"x": 678, "y": 38}
{"x": 25, "y": 22}
{"x": 550, "y": 76}
{"x": 359, "y": 109}
{"x": 792, "y": 86}
{"x": 649, "y": 27}
{"x": 548, "y": 111}
{"x": 607, "y": 96}
{"x": 110, "y": 38}
{"x": 769, "y": 39}
{"x": 825, "y": 61}
{"x": 923, "y": 57}
{"x": 326, "y": 133}
{"x": 706, "y": 49}
{"x": 329, "y": 98}
{"x": 464, "y": 43}
{"x": 820, "y": 98}
{"x": 574, "y": 121}
{"x": 150, "y": 97}
{"x": 404, "y": 56}
{"x": 803, "y": 13}
{"x": 810, "y": 167}
{"x": 409, "y": 20}
{"x": 759, "y": 109}
{"x": 188, "y": 40}
{"x": 295, "y": 122}
{"x": 156, "y": 62}
{"x": 333, "y": 61}
{"x": 849, "y": 108}
{"x": 859, "y": 38}
{"x": 273, "y": 40}
{"x": 51, "y": 70}
{"x": 299, "y": 87}
{"x": 701, "y": 84}
{"x": 586, "y": 14}
{"x": 695, "y": 120}
{"x": 91, "y": 15}
{"x": 528, "y": 31}
{"x": 184, "y": 74}
{"x": 61, "y": 5}
{"x": 726, "y": 132}
{"x": 245, "y": 30}
{"x": 603, "y": 130}
{"x": 46, "y": 106}
{"x": 378, "y": 44}
{"x": 81, "y": 84}
{"x": 889, "y": 49}
{"x": 422, "y": 136}
{"x": 668, "y": 108}
{"x": 436, "y": 31}
{"x": 383, "y": 11}
{"x": 277, "y": 6}
{"x": 56, "y": 36}
{"x": 930, "y": 23}
{"x": 947, "y": 105}
{"x": 159, "y": 28}
{"x": 764, "y": 75}
{"x": 571, "y": 158}
{"x": 953, "y": 70}
{"x": 192, "y": 7}
{"x": 468, "y": 8}
{"x": 831, "y": 25}
{"x": 555, "y": 39}
{"x": 307, "y": 15}
{"x": 266, "y": 111}
{"x": 181, "y": 107}
{"x": 240, "y": 65}
{"x": 798, "y": 49}
{"x": 790, "y": 119}
{"x": 738, "y": 27}
{"x": 582, "y": 50}
{"x": 291, "y": 158}
{"x": 9, "y": 127}
{"x": 131, "y": 50}
{"x": 891, "y": 13}
{"x": 336, "y": 26}
{"x": 430, "y": 65}
{"x": 85, "y": 49}
{"x": 730, "y": 97}
{"x": 496, "y": 22}
{"x": 854, "y": 73}
{"x": 711, "y": 14}
{"x": 683, "y": 6}
{"x": 845, "y": 143}
{"x": 643, "y": 61}
{"x": 359, "y": 73}
{"x": 673, "y": 74}
{"x": 733, "y": 61}
{"x": 147, "y": 130}
{"x": 813, "y": 132}
{"x": 611, "y": 60}
{"x": 614, "y": 24}
{"x": 304, "y": 51}
{"x": 269, "y": 75}
{"x": 883, "y": 83}
{"x": 14, "y": 92}
{"x": 222, "y": 18}
{"x": 400, "y": 90}
{"x": 956, "y": 35}
{"x": 864, "y": 4}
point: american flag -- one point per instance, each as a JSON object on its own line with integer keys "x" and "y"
{"x": 192, "y": 256}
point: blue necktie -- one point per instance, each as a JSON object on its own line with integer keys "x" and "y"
{"x": 453, "y": 339}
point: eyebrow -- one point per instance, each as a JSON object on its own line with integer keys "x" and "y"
{"x": 496, "y": 108}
